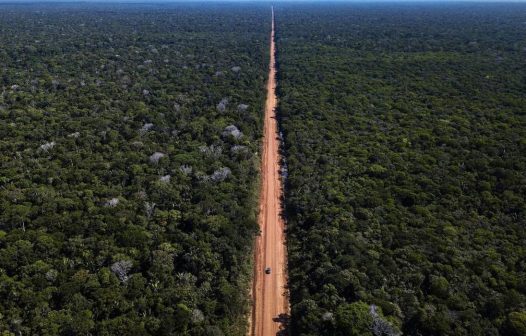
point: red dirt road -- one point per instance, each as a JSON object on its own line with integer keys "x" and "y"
{"x": 269, "y": 290}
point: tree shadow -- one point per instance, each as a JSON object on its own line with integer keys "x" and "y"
{"x": 283, "y": 320}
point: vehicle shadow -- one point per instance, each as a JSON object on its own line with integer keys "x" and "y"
{"x": 283, "y": 320}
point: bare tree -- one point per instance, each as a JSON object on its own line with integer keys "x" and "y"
{"x": 155, "y": 157}
{"x": 242, "y": 107}
{"x": 211, "y": 151}
{"x": 149, "y": 207}
{"x": 232, "y": 131}
{"x": 221, "y": 107}
{"x": 121, "y": 269}
{"x": 47, "y": 146}
{"x": 145, "y": 128}
{"x": 197, "y": 316}
{"x": 185, "y": 169}
{"x": 381, "y": 327}
{"x": 112, "y": 203}
{"x": 239, "y": 149}
{"x": 220, "y": 174}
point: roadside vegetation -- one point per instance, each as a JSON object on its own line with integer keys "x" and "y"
{"x": 128, "y": 167}
{"x": 404, "y": 134}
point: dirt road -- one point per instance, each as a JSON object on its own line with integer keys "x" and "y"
{"x": 271, "y": 307}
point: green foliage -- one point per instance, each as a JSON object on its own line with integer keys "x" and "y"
{"x": 110, "y": 220}
{"x": 353, "y": 319}
{"x": 516, "y": 323}
{"x": 404, "y": 132}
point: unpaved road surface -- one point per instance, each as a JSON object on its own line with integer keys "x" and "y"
{"x": 271, "y": 307}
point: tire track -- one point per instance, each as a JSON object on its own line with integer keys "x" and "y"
{"x": 271, "y": 307}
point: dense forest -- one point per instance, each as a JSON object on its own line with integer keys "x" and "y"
{"x": 404, "y": 132}
{"x": 129, "y": 139}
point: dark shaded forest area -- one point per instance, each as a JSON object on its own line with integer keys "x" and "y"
{"x": 128, "y": 167}
{"x": 405, "y": 140}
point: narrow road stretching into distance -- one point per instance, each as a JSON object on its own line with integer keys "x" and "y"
{"x": 271, "y": 307}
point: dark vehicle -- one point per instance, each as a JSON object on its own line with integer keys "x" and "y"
{"x": 267, "y": 270}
